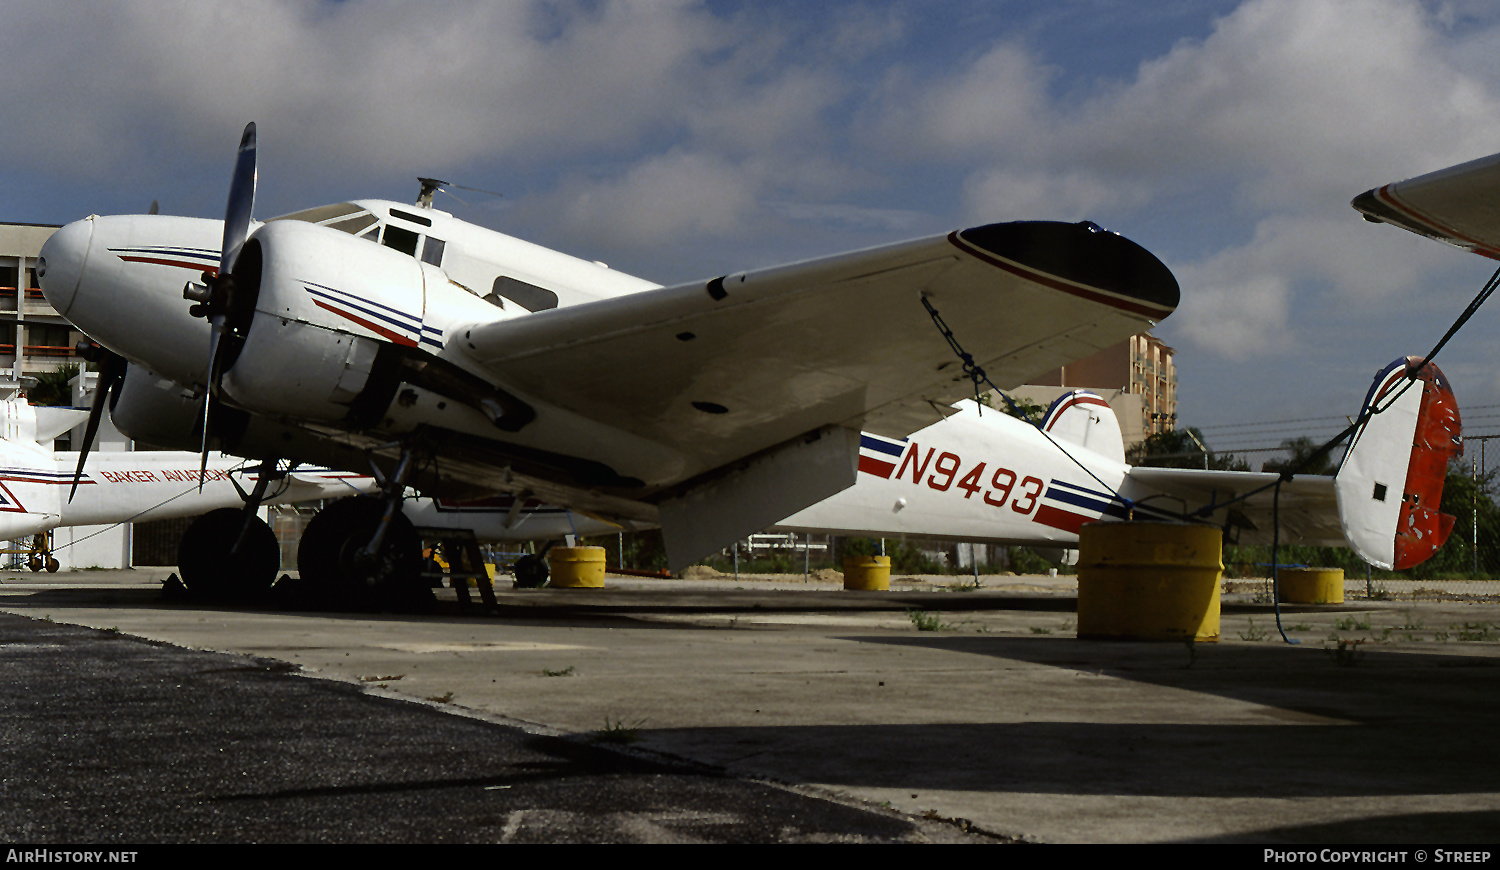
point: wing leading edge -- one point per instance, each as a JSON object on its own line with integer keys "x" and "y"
{"x": 1459, "y": 205}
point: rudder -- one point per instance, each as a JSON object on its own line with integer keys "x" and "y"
{"x": 1083, "y": 418}
{"x": 1390, "y": 485}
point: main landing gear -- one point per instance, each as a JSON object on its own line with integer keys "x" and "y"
{"x": 339, "y": 567}
{"x": 363, "y": 552}
{"x": 226, "y": 556}
{"x": 230, "y": 554}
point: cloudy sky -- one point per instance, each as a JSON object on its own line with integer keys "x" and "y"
{"x": 681, "y": 140}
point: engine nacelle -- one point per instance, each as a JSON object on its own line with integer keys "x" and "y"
{"x": 149, "y": 408}
{"x": 324, "y": 304}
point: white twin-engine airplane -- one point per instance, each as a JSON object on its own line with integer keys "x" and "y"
{"x": 476, "y": 364}
{"x": 470, "y": 363}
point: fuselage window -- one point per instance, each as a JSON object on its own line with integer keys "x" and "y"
{"x": 528, "y": 296}
{"x": 402, "y": 240}
{"x": 432, "y": 251}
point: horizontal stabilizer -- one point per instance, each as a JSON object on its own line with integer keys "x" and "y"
{"x": 1085, "y": 419}
{"x": 1390, "y": 485}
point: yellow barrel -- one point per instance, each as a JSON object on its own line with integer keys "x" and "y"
{"x": 867, "y": 573}
{"x": 1311, "y": 585}
{"x": 576, "y": 567}
{"x": 1149, "y": 581}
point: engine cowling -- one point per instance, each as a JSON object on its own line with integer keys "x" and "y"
{"x": 324, "y": 304}
{"x": 149, "y": 408}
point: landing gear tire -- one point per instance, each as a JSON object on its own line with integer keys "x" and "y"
{"x": 530, "y": 572}
{"x": 207, "y": 567}
{"x": 333, "y": 565}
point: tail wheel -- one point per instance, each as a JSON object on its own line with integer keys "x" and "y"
{"x": 530, "y": 572}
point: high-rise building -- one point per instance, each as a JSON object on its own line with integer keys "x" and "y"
{"x": 33, "y": 337}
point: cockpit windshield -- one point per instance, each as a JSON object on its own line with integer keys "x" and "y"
{"x": 345, "y": 217}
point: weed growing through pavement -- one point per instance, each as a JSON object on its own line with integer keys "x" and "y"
{"x": 565, "y": 672}
{"x": 925, "y": 621}
{"x": 618, "y": 731}
{"x": 1475, "y": 631}
{"x": 1347, "y": 654}
{"x": 1253, "y": 633}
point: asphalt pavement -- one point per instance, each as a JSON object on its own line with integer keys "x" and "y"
{"x": 771, "y": 710}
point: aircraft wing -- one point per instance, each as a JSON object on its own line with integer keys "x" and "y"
{"x": 721, "y": 368}
{"x": 760, "y": 382}
{"x": 1309, "y": 511}
{"x": 1459, "y": 205}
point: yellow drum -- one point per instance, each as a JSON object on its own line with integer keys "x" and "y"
{"x": 867, "y": 573}
{"x": 576, "y": 567}
{"x": 1149, "y": 581}
{"x": 1311, "y": 585}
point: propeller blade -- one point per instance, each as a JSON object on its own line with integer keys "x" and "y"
{"x": 237, "y": 216}
{"x": 210, "y": 396}
{"x": 241, "y": 200}
{"x": 111, "y": 371}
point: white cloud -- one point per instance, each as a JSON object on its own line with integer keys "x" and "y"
{"x": 665, "y": 199}
{"x": 1001, "y": 194}
{"x": 1239, "y": 302}
{"x": 385, "y": 85}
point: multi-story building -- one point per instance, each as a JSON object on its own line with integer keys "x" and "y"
{"x": 33, "y": 337}
{"x": 1137, "y": 377}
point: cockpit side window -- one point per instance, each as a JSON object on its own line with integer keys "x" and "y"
{"x": 400, "y": 239}
{"x": 432, "y": 251}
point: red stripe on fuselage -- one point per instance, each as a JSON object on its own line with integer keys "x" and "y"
{"x": 877, "y": 467}
{"x": 1061, "y": 519}
{"x": 396, "y": 337}
{"x": 181, "y": 264}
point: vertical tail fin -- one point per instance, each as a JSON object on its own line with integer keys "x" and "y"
{"x": 1083, "y": 418}
{"x": 1390, "y": 485}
